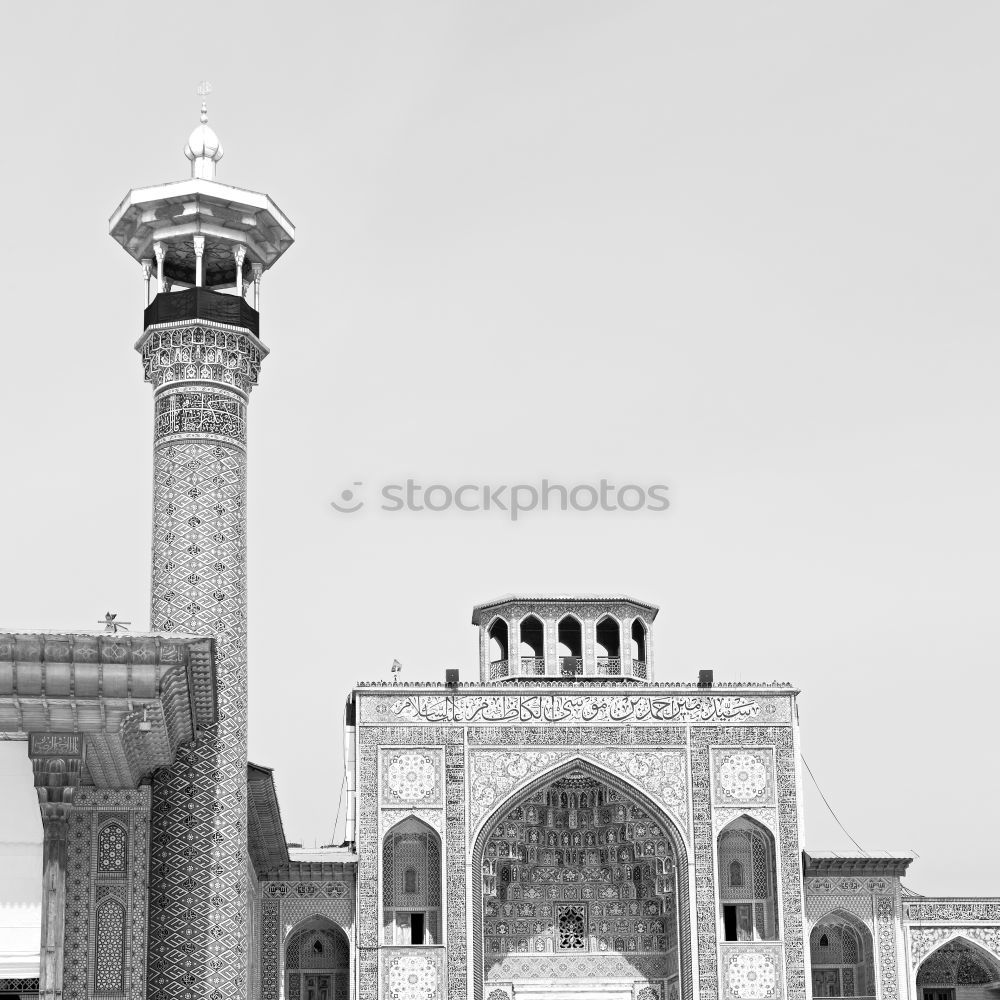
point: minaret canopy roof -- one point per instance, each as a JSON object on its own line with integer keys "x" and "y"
{"x": 225, "y": 216}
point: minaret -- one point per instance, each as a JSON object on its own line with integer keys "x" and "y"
{"x": 203, "y": 247}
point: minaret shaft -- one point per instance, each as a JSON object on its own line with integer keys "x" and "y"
{"x": 198, "y": 900}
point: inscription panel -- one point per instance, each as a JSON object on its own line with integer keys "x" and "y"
{"x": 600, "y": 709}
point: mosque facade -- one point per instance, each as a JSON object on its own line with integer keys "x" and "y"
{"x": 565, "y": 827}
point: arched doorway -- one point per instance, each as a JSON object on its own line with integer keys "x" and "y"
{"x": 581, "y": 877}
{"x": 317, "y": 962}
{"x": 958, "y": 968}
{"x": 841, "y": 954}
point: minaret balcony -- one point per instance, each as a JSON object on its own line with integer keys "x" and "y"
{"x": 203, "y": 304}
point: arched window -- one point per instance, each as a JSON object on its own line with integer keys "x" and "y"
{"x": 570, "y": 647}
{"x": 639, "y": 649}
{"x": 749, "y": 901}
{"x": 411, "y": 884}
{"x": 109, "y": 966}
{"x": 498, "y": 649}
{"x": 532, "y": 647}
{"x": 317, "y": 962}
{"x": 410, "y": 881}
{"x": 609, "y": 647}
{"x": 841, "y": 955}
{"x": 112, "y": 849}
{"x": 736, "y": 875}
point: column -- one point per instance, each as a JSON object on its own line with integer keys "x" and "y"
{"x": 199, "y": 252}
{"x": 160, "y": 250}
{"x": 147, "y": 275}
{"x": 239, "y": 253}
{"x": 57, "y": 762}
{"x": 258, "y": 270}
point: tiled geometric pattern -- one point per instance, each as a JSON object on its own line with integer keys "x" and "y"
{"x": 411, "y": 776}
{"x": 105, "y": 935}
{"x": 112, "y": 849}
{"x": 860, "y": 906}
{"x": 79, "y": 878}
{"x": 766, "y": 816}
{"x": 413, "y": 976}
{"x": 751, "y": 973}
{"x": 199, "y": 903}
{"x": 109, "y": 959}
{"x": 952, "y": 910}
{"x": 434, "y": 818}
{"x": 886, "y": 923}
{"x": 270, "y": 943}
{"x": 743, "y": 776}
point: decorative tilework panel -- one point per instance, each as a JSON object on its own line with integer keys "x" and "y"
{"x": 848, "y": 886}
{"x": 924, "y": 940}
{"x": 751, "y": 971}
{"x": 109, "y": 957}
{"x": 270, "y": 942}
{"x": 198, "y": 885}
{"x": 495, "y": 774}
{"x": 742, "y": 776}
{"x": 858, "y": 905}
{"x": 411, "y": 776}
{"x": 106, "y": 876}
{"x": 79, "y": 879}
{"x": 886, "y": 923}
{"x": 767, "y": 817}
{"x": 413, "y": 975}
{"x": 755, "y": 740}
{"x": 956, "y": 910}
{"x": 370, "y": 740}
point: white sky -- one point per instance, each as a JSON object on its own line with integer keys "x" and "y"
{"x": 748, "y": 250}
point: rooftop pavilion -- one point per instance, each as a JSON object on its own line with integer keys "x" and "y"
{"x": 565, "y": 637}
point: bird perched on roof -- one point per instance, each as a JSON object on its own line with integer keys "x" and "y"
{"x": 396, "y": 668}
{"x": 111, "y": 623}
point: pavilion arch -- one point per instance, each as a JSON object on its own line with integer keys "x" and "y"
{"x": 747, "y": 877}
{"x": 608, "y": 639}
{"x": 962, "y": 965}
{"x": 672, "y": 867}
{"x": 316, "y": 960}
{"x": 639, "y": 648}
{"x": 842, "y": 956}
{"x": 498, "y": 642}
{"x": 569, "y": 637}
{"x": 531, "y": 646}
{"x": 412, "y": 890}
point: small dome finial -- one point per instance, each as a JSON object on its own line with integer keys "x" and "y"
{"x": 203, "y": 148}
